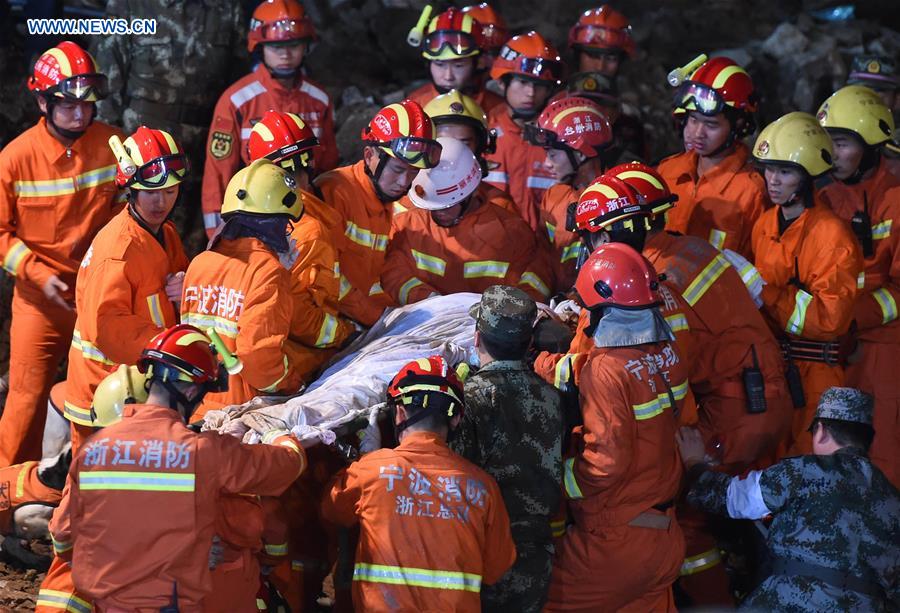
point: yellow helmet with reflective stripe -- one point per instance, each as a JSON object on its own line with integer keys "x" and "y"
{"x": 795, "y": 139}
{"x": 263, "y": 188}
{"x": 125, "y": 385}
{"x": 858, "y": 109}
{"x": 454, "y": 107}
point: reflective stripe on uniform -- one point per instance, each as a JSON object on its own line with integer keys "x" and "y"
{"x": 417, "y": 577}
{"x": 702, "y": 282}
{"x": 497, "y": 177}
{"x": 156, "y": 310}
{"x": 558, "y": 528}
{"x": 406, "y": 288}
{"x": 366, "y": 238}
{"x": 344, "y": 287}
{"x": 274, "y": 386}
{"x": 77, "y": 414}
{"x": 69, "y": 185}
{"x": 429, "y": 263}
{"x": 223, "y": 326}
{"x": 680, "y": 391}
{"x": 798, "y": 317}
{"x": 376, "y": 289}
{"x": 532, "y": 280}
{"x": 563, "y": 371}
{"x": 677, "y": 322}
{"x": 247, "y": 93}
{"x": 749, "y": 274}
{"x": 887, "y": 303}
{"x": 328, "y": 331}
{"x": 539, "y": 182}
{"x": 24, "y": 469}
{"x": 65, "y": 601}
{"x": 571, "y": 485}
{"x": 136, "y": 481}
{"x": 861, "y": 280}
{"x": 651, "y": 409}
{"x": 717, "y": 238}
{"x": 89, "y": 350}
{"x": 700, "y": 562}
{"x": 571, "y": 252}
{"x": 211, "y": 221}
{"x": 485, "y": 268}
{"x": 398, "y": 208}
{"x": 551, "y": 230}
{"x": 315, "y": 92}
{"x": 17, "y": 252}
{"x": 882, "y": 230}
{"x": 278, "y": 549}
{"x": 60, "y": 546}
{"x": 245, "y": 133}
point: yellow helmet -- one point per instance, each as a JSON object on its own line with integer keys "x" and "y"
{"x": 796, "y": 139}
{"x": 125, "y": 385}
{"x": 860, "y": 110}
{"x": 263, "y": 188}
{"x": 456, "y": 107}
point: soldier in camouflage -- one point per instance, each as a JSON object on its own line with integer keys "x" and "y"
{"x": 835, "y": 533}
{"x": 172, "y": 79}
{"x": 512, "y": 428}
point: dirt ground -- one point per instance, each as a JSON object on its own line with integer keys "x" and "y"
{"x": 19, "y": 588}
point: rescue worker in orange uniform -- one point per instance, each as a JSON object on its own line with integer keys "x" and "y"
{"x": 285, "y": 139}
{"x": 56, "y": 191}
{"x": 810, "y": 262}
{"x": 149, "y": 463}
{"x": 240, "y": 286}
{"x": 433, "y": 526}
{"x": 458, "y": 116}
{"x": 867, "y": 195}
{"x": 454, "y": 241}
{"x": 739, "y": 353}
{"x": 720, "y": 196}
{"x": 528, "y": 69}
{"x": 397, "y": 143}
{"x": 494, "y": 34}
{"x": 27, "y": 484}
{"x": 574, "y": 134}
{"x": 452, "y": 45}
{"x": 280, "y": 35}
{"x": 129, "y": 284}
{"x": 625, "y": 473}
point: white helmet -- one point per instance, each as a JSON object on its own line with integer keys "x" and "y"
{"x": 455, "y": 177}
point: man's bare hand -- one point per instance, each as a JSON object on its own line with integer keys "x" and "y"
{"x": 53, "y": 290}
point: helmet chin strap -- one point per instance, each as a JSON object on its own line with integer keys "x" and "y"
{"x": 177, "y": 398}
{"x": 870, "y": 159}
{"x": 463, "y": 207}
{"x": 276, "y": 73}
{"x": 375, "y": 177}
{"x": 70, "y": 134}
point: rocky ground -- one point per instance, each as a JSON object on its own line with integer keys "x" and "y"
{"x": 19, "y": 587}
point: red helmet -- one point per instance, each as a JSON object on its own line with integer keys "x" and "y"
{"x": 160, "y": 161}
{"x": 617, "y": 275}
{"x": 719, "y": 83}
{"x": 528, "y": 55}
{"x": 602, "y": 28}
{"x": 649, "y": 185}
{"x": 605, "y": 202}
{"x": 183, "y": 353}
{"x": 283, "y": 138}
{"x": 68, "y": 71}
{"x": 573, "y": 122}
{"x": 403, "y": 130}
{"x": 452, "y": 35}
{"x": 493, "y": 29}
{"x": 277, "y": 21}
{"x": 427, "y": 376}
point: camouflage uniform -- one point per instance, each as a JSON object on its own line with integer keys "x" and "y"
{"x": 512, "y": 428}
{"x": 172, "y": 79}
{"x": 836, "y": 523}
{"x": 880, "y": 73}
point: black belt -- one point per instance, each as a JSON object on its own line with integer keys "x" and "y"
{"x": 835, "y": 578}
{"x": 176, "y": 113}
{"x": 811, "y": 351}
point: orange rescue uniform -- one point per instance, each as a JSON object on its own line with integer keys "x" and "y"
{"x": 488, "y": 246}
{"x": 241, "y": 289}
{"x": 238, "y": 109}
{"x": 121, "y": 303}
{"x": 875, "y": 313}
{"x": 150, "y": 470}
{"x": 20, "y": 484}
{"x": 722, "y": 205}
{"x": 819, "y": 251}
{"x": 567, "y": 246}
{"x": 486, "y": 99}
{"x": 621, "y": 484}
{"x": 517, "y": 166}
{"x": 53, "y": 200}
{"x": 433, "y": 527}
{"x": 366, "y": 224}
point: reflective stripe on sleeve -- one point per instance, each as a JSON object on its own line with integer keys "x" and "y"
{"x": 274, "y": 386}
{"x": 328, "y": 331}
{"x": 563, "y": 371}
{"x": 60, "y": 546}
{"x": 366, "y": 238}
{"x": 75, "y": 413}
{"x": 497, "y": 177}
{"x": 276, "y": 549}
{"x": 136, "y": 481}
{"x": 156, "y": 310}
{"x": 887, "y": 303}
{"x": 376, "y": 289}
{"x": 417, "y": 577}
{"x": 882, "y": 230}
{"x": 13, "y": 260}
{"x": 344, "y": 287}
{"x": 551, "y": 230}
{"x": 89, "y": 350}
{"x": 700, "y": 562}
{"x": 406, "y": 288}
{"x": 861, "y": 280}
{"x": 485, "y": 268}
{"x": 571, "y": 252}
{"x": 677, "y": 322}
{"x": 702, "y": 282}
{"x": 429, "y": 263}
{"x": 64, "y": 601}
{"x": 535, "y": 282}
{"x": 717, "y": 238}
{"x": 539, "y": 182}
{"x": 571, "y": 485}
{"x": 798, "y": 318}
{"x": 211, "y": 221}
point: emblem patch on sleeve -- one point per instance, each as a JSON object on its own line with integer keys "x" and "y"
{"x": 220, "y": 144}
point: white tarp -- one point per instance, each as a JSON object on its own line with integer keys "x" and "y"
{"x": 356, "y": 379}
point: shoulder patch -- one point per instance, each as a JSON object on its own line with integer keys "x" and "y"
{"x": 221, "y": 145}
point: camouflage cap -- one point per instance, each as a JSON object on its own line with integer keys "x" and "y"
{"x": 847, "y": 404}
{"x": 875, "y": 71}
{"x": 504, "y": 313}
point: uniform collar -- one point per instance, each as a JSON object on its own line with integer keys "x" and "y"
{"x": 52, "y": 148}
{"x": 723, "y": 171}
{"x": 419, "y": 439}
{"x": 503, "y": 365}
{"x": 150, "y": 411}
{"x": 269, "y": 82}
